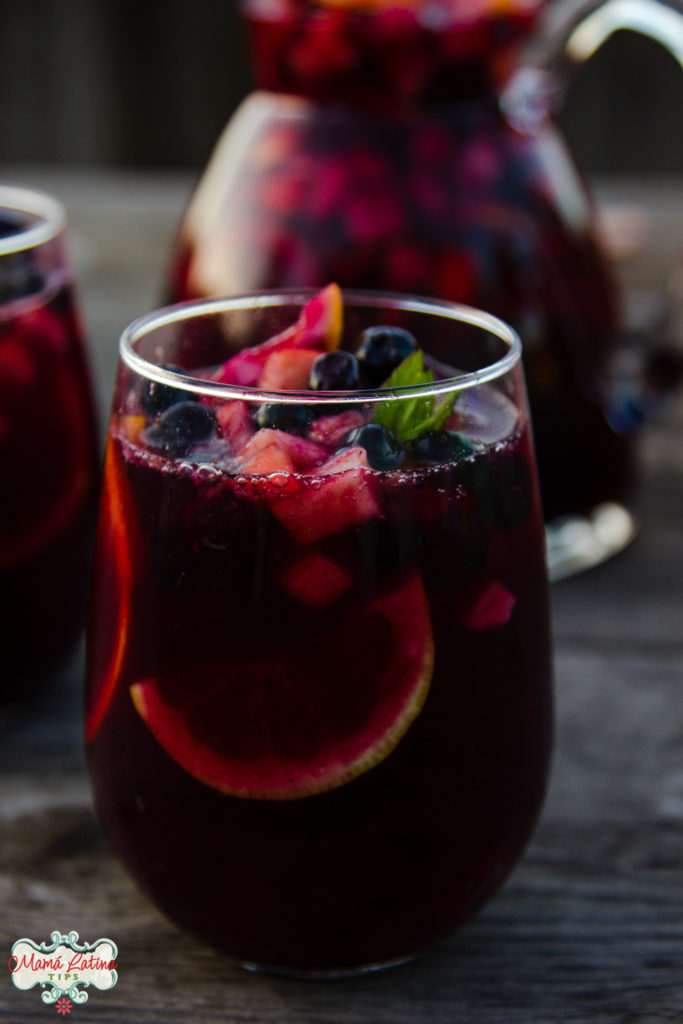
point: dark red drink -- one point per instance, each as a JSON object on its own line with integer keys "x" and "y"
{"x": 391, "y": 152}
{"x": 48, "y": 454}
{"x": 319, "y": 708}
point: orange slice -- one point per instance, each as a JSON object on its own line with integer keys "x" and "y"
{"x": 306, "y": 718}
{"x": 114, "y": 564}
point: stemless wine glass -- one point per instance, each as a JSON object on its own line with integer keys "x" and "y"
{"x": 48, "y": 449}
{"x": 319, "y": 701}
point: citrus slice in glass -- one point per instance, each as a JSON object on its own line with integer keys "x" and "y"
{"x": 306, "y": 718}
{"x": 115, "y": 533}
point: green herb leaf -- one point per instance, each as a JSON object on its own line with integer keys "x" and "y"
{"x": 409, "y": 418}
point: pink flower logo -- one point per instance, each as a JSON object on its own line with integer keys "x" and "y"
{"x": 63, "y": 1006}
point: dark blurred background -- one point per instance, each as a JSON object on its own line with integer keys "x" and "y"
{"x": 124, "y": 84}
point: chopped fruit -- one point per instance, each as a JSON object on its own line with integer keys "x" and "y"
{"x": 266, "y": 459}
{"x": 381, "y": 349}
{"x": 116, "y": 540}
{"x": 265, "y": 453}
{"x": 383, "y": 450}
{"x": 304, "y": 453}
{"x": 393, "y": 431}
{"x": 157, "y": 397}
{"x": 235, "y": 423}
{"x": 331, "y": 430}
{"x": 296, "y": 722}
{"x": 315, "y": 580}
{"x": 493, "y": 608}
{"x": 335, "y": 371}
{"x": 281, "y": 416}
{"x": 244, "y": 368}
{"x": 319, "y": 327}
{"x": 345, "y": 496}
{"x": 181, "y": 427}
{"x": 321, "y": 319}
{"x": 288, "y": 369}
{"x": 132, "y": 427}
{"x": 297, "y": 452}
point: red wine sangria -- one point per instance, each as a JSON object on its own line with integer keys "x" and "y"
{"x": 318, "y": 699}
{"x": 394, "y": 146}
{"x": 48, "y": 451}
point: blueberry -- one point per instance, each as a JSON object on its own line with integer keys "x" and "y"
{"x": 439, "y": 448}
{"x": 383, "y": 450}
{"x": 381, "y": 349}
{"x": 295, "y": 419}
{"x": 335, "y": 371}
{"x": 177, "y": 430}
{"x": 157, "y": 397}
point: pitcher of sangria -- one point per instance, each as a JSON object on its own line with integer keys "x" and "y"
{"x": 402, "y": 145}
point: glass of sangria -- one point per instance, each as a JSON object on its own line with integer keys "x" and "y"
{"x": 48, "y": 446}
{"x": 319, "y": 711}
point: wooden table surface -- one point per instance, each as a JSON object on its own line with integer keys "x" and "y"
{"x": 590, "y": 926}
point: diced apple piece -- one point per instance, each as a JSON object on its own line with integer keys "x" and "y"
{"x": 319, "y": 327}
{"x": 493, "y": 608}
{"x": 321, "y": 320}
{"x": 288, "y": 370}
{"x": 330, "y": 430}
{"x": 345, "y": 497}
{"x": 242, "y": 369}
{"x": 235, "y": 423}
{"x": 316, "y": 580}
{"x": 302, "y": 454}
{"x": 265, "y": 453}
{"x": 269, "y": 459}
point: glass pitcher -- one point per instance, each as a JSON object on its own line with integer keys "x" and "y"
{"x": 404, "y": 145}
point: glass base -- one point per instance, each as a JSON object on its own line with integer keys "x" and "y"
{"x": 324, "y": 974}
{"x": 577, "y": 543}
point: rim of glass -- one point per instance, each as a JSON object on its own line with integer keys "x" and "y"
{"x": 169, "y": 315}
{"x": 39, "y": 204}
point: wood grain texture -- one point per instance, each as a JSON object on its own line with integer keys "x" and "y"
{"x": 590, "y": 927}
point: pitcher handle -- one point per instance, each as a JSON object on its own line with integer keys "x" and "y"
{"x": 652, "y": 18}
{"x": 569, "y": 34}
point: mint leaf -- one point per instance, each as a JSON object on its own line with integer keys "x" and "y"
{"x": 409, "y": 418}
